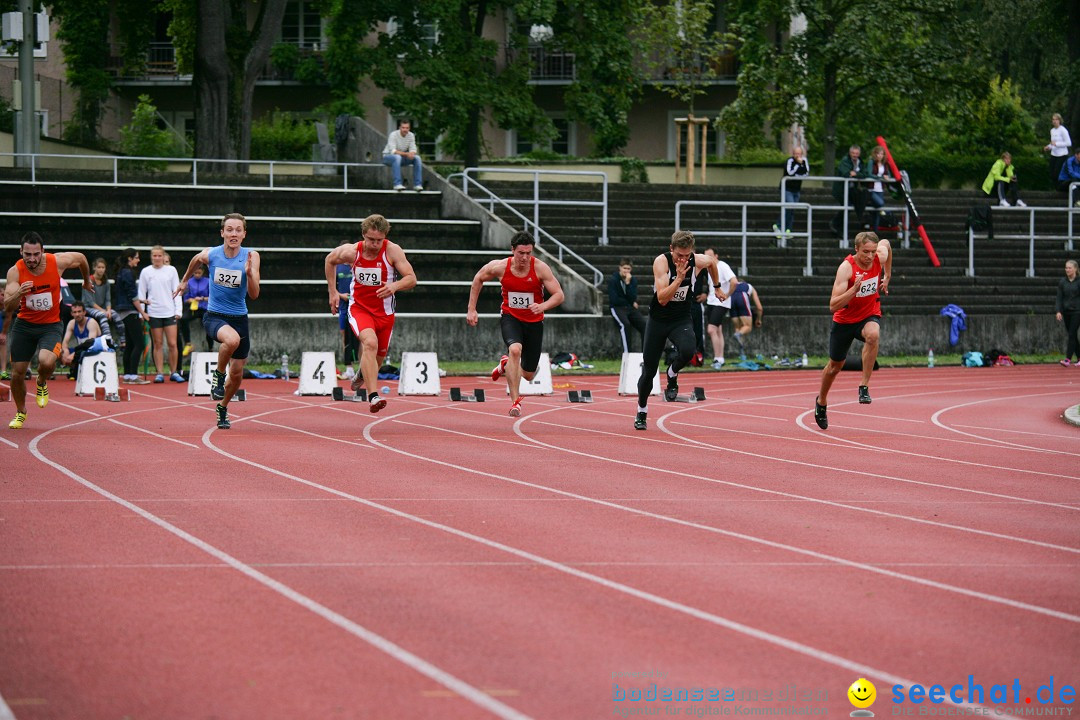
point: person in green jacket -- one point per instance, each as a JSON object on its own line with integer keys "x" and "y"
{"x": 1002, "y": 181}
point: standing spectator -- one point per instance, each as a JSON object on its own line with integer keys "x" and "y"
{"x": 401, "y": 147}
{"x": 196, "y": 296}
{"x": 1002, "y": 181}
{"x": 795, "y": 166}
{"x": 852, "y": 167}
{"x": 879, "y": 174}
{"x": 127, "y": 288}
{"x": 98, "y": 302}
{"x": 622, "y": 293}
{"x": 1058, "y": 147}
{"x": 159, "y": 304}
{"x": 746, "y": 312}
{"x": 717, "y": 306}
{"x": 1068, "y": 311}
{"x": 1070, "y": 173}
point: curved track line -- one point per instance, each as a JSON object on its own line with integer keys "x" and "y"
{"x": 765, "y": 636}
{"x": 804, "y": 463}
{"x": 395, "y": 651}
{"x": 935, "y": 419}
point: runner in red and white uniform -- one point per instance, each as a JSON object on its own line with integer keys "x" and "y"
{"x": 379, "y": 270}
{"x": 33, "y": 291}
{"x": 524, "y": 280}
{"x": 856, "y": 306}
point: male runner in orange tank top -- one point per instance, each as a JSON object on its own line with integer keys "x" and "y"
{"x": 33, "y": 291}
{"x": 524, "y": 280}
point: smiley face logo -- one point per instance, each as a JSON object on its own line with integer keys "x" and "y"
{"x": 862, "y": 693}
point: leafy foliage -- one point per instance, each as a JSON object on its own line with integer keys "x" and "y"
{"x": 83, "y": 33}
{"x": 282, "y": 136}
{"x": 143, "y": 138}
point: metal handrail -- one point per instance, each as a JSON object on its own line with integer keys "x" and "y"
{"x": 1072, "y": 210}
{"x": 744, "y": 233}
{"x": 846, "y": 207}
{"x": 1031, "y": 237}
{"x": 598, "y": 277}
{"x": 536, "y": 202}
{"x": 191, "y": 166}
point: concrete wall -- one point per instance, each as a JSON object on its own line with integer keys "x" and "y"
{"x": 595, "y": 337}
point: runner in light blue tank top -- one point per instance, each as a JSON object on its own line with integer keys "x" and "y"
{"x": 232, "y": 281}
{"x": 228, "y": 282}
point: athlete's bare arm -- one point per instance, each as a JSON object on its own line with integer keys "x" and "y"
{"x": 884, "y": 253}
{"x": 253, "y": 270}
{"x": 841, "y": 293}
{"x": 551, "y": 285}
{"x": 492, "y": 271}
{"x": 203, "y": 258}
{"x": 13, "y": 291}
{"x": 407, "y": 276}
{"x": 66, "y": 260}
{"x": 342, "y": 254}
{"x": 665, "y": 286}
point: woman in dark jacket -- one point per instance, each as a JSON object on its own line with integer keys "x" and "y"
{"x": 126, "y": 273}
{"x": 1068, "y": 311}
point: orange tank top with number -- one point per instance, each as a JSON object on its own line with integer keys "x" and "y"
{"x": 41, "y": 305}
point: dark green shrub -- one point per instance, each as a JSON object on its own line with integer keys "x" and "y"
{"x": 282, "y": 136}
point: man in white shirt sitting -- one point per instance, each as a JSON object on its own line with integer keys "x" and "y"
{"x": 401, "y": 147}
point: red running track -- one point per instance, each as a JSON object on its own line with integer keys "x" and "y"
{"x": 442, "y": 560}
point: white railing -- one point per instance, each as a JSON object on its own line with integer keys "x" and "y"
{"x": 1072, "y": 211}
{"x": 562, "y": 250}
{"x": 276, "y": 172}
{"x": 537, "y": 203}
{"x": 744, "y": 232}
{"x": 1030, "y": 236}
{"x": 905, "y": 223}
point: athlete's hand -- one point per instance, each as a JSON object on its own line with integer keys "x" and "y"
{"x": 180, "y": 289}
{"x": 26, "y": 287}
{"x": 334, "y": 300}
{"x": 681, "y": 268}
{"x": 383, "y": 292}
{"x": 472, "y": 318}
{"x": 884, "y": 284}
{"x": 535, "y": 309}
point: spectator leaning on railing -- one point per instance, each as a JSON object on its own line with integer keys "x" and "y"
{"x": 1070, "y": 173}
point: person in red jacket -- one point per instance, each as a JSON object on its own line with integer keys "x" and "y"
{"x": 856, "y": 308}
{"x": 524, "y": 280}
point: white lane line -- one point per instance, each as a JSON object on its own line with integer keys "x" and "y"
{"x": 741, "y": 628}
{"x": 8, "y": 442}
{"x": 305, "y": 432}
{"x": 5, "y": 711}
{"x": 151, "y": 432}
{"x": 416, "y": 663}
{"x": 935, "y": 418}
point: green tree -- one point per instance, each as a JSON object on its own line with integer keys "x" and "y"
{"x": 678, "y": 42}
{"x": 439, "y": 69}
{"x": 143, "y": 138}
{"x": 83, "y": 34}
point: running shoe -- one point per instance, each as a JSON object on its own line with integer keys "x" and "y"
{"x": 5, "y": 375}
{"x": 187, "y": 350}
{"x": 223, "y": 418}
{"x": 671, "y": 392}
{"x": 639, "y": 421}
{"x": 357, "y": 383}
{"x": 1066, "y": 362}
{"x": 377, "y": 403}
{"x": 17, "y": 423}
{"x": 717, "y": 363}
{"x": 217, "y": 385}
{"x": 159, "y": 378}
{"x": 177, "y": 377}
{"x": 864, "y": 395}
{"x": 500, "y": 369}
{"x": 820, "y": 417}
{"x": 43, "y": 395}
{"x": 515, "y": 409}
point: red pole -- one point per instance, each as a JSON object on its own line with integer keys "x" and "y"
{"x": 910, "y": 204}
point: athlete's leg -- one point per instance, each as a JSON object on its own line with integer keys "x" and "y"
{"x": 513, "y": 371}
{"x": 871, "y": 333}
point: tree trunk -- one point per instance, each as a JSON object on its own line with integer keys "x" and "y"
{"x": 263, "y": 34}
{"x": 211, "y": 83}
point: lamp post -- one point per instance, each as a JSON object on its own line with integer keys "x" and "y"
{"x": 24, "y": 140}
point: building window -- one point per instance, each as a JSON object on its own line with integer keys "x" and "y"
{"x": 429, "y": 32}
{"x": 302, "y": 25}
{"x": 563, "y": 142}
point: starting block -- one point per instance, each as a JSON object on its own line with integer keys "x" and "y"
{"x": 338, "y": 393}
{"x": 100, "y": 393}
{"x": 585, "y": 396}
{"x": 457, "y": 396}
{"x": 697, "y": 396}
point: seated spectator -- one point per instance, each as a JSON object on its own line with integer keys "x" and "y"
{"x": 1001, "y": 182}
{"x": 196, "y": 295}
{"x": 879, "y": 174}
{"x": 622, "y": 293}
{"x": 99, "y": 302}
{"x": 744, "y": 297}
{"x": 1070, "y": 173}
{"x": 852, "y": 167}
{"x": 401, "y": 147}
{"x": 85, "y": 333}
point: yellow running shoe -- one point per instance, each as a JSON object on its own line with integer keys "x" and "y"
{"x": 43, "y": 395}
{"x": 17, "y": 423}
{"x": 187, "y": 350}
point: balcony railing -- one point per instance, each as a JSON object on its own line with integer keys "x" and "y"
{"x": 551, "y": 65}
{"x": 161, "y": 65}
